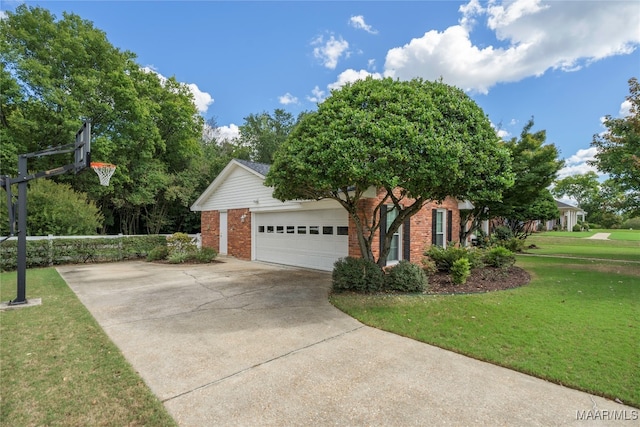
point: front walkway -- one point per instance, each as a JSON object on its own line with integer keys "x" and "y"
{"x": 247, "y": 344}
{"x": 600, "y": 236}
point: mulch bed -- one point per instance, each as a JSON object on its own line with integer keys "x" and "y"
{"x": 487, "y": 279}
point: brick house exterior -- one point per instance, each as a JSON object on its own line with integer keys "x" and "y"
{"x": 417, "y": 230}
{"x": 239, "y": 197}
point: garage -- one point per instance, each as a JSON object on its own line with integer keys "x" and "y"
{"x": 308, "y": 238}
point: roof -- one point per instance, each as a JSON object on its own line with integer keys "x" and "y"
{"x": 261, "y": 168}
{"x": 565, "y": 205}
{"x": 258, "y": 169}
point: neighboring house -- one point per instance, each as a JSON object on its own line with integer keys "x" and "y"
{"x": 241, "y": 218}
{"x": 569, "y": 216}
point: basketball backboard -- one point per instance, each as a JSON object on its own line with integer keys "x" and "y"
{"x": 83, "y": 148}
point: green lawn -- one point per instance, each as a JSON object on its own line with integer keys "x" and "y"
{"x": 627, "y": 248}
{"x": 577, "y": 323}
{"x": 615, "y": 234}
{"x": 57, "y": 366}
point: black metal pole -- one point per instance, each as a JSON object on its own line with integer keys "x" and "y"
{"x": 21, "y": 266}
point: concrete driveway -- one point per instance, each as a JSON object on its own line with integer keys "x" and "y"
{"x": 246, "y": 343}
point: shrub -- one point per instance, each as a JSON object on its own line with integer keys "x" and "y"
{"x": 205, "y": 255}
{"x": 406, "y": 277}
{"x": 514, "y": 245}
{"x": 460, "y": 271}
{"x": 632, "y": 223}
{"x": 500, "y": 257}
{"x": 181, "y": 243}
{"x": 56, "y": 209}
{"x": 429, "y": 266}
{"x": 577, "y": 227}
{"x": 158, "y": 253}
{"x": 357, "y": 274}
{"x": 178, "y": 257}
{"x": 502, "y": 233}
{"x": 444, "y": 258}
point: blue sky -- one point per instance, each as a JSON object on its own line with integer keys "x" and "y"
{"x": 566, "y": 63}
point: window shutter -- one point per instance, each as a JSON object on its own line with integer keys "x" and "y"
{"x": 450, "y": 226}
{"x": 434, "y": 219}
{"x": 383, "y": 225}
{"x": 406, "y": 239}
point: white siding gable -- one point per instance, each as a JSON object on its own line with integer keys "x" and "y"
{"x": 240, "y": 189}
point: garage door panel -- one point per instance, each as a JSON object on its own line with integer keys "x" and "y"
{"x": 288, "y": 238}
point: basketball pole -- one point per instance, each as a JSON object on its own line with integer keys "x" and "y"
{"x": 81, "y": 148}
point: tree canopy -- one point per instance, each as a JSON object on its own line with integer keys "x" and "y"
{"x": 428, "y": 139}
{"x": 619, "y": 149}
{"x": 55, "y": 73}
{"x": 535, "y": 164}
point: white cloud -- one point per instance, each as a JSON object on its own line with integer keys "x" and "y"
{"x": 3, "y": 14}
{"x": 534, "y": 37}
{"x": 577, "y": 163}
{"x": 625, "y": 109}
{"x": 329, "y": 52}
{"x": 502, "y": 134}
{"x": 201, "y": 99}
{"x": 371, "y": 64}
{"x": 287, "y": 99}
{"x": 317, "y": 95}
{"x": 358, "y": 22}
{"x": 350, "y": 76}
{"x": 582, "y": 156}
{"x": 226, "y": 133}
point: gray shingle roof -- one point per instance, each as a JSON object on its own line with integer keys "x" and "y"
{"x": 565, "y": 205}
{"x": 261, "y": 168}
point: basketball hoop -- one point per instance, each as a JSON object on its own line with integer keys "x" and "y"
{"x": 104, "y": 171}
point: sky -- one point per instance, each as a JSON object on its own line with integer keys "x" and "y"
{"x": 564, "y": 63}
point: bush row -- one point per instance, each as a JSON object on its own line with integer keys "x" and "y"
{"x": 361, "y": 275}
{"x": 48, "y": 252}
{"x": 444, "y": 259}
{"x": 180, "y": 248}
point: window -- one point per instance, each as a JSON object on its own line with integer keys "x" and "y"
{"x": 394, "y": 250}
{"x": 290, "y": 229}
{"x": 269, "y": 228}
{"x": 261, "y": 229}
{"x": 314, "y": 229}
{"x": 343, "y": 231}
{"x": 280, "y": 229}
{"x": 302, "y": 229}
{"x": 327, "y": 229}
{"x": 440, "y": 227}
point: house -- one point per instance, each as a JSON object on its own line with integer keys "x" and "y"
{"x": 569, "y": 216}
{"x": 240, "y": 217}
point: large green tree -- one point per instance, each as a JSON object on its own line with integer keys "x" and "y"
{"x": 619, "y": 149}
{"x": 603, "y": 201}
{"x": 55, "y": 73}
{"x": 535, "y": 164}
{"x": 428, "y": 139}
{"x": 583, "y": 188}
{"x": 263, "y": 133}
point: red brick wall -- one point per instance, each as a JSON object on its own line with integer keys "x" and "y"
{"x": 210, "y": 229}
{"x": 420, "y": 228}
{"x": 239, "y": 236}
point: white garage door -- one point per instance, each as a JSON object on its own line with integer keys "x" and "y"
{"x": 312, "y": 239}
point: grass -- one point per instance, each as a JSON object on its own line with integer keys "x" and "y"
{"x": 577, "y": 323}
{"x": 551, "y": 244}
{"x": 57, "y": 366}
{"x": 615, "y": 234}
